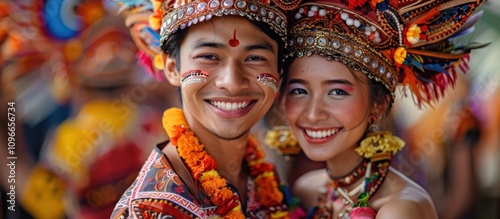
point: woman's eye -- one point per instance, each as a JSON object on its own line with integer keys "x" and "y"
{"x": 339, "y": 92}
{"x": 298, "y": 91}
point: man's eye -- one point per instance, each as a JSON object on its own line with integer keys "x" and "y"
{"x": 211, "y": 57}
{"x": 256, "y": 58}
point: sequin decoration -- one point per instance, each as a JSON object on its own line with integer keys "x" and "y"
{"x": 193, "y": 76}
{"x": 268, "y": 80}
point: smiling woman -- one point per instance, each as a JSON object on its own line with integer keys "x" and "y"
{"x": 345, "y": 60}
{"x": 225, "y": 57}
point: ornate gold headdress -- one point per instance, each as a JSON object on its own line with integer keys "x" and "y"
{"x": 152, "y": 22}
{"x": 407, "y": 42}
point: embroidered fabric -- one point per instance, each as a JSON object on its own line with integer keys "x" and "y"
{"x": 158, "y": 191}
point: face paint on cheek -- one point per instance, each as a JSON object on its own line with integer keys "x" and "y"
{"x": 193, "y": 76}
{"x": 268, "y": 80}
{"x": 234, "y": 42}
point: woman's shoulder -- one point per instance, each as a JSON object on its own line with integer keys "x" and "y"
{"x": 307, "y": 187}
{"x": 400, "y": 197}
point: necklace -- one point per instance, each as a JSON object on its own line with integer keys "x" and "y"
{"x": 366, "y": 190}
{"x": 349, "y": 178}
{"x": 203, "y": 169}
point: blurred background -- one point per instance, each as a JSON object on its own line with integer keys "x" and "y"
{"x": 87, "y": 113}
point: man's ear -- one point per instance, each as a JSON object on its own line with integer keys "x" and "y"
{"x": 169, "y": 69}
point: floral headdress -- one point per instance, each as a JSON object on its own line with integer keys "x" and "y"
{"x": 408, "y": 42}
{"x": 152, "y": 22}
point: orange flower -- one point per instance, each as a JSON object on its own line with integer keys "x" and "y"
{"x": 399, "y": 56}
{"x": 260, "y": 168}
{"x": 222, "y": 196}
{"x": 202, "y": 168}
{"x": 155, "y": 20}
{"x": 413, "y": 34}
{"x": 214, "y": 184}
{"x": 235, "y": 215}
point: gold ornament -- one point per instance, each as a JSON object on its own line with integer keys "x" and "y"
{"x": 281, "y": 139}
{"x": 379, "y": 144}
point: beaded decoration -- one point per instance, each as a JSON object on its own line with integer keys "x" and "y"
{"x": 333, "y": 192}
{"x": 414, "y": 43}
{"x": 349, "y": 178}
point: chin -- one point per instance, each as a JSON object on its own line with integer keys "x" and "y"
{"x": 317, "y": 156}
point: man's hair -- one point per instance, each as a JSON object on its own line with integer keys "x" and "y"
{"x": 172, "y": 45}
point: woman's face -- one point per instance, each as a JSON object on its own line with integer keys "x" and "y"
{"x": 327, "y": 106}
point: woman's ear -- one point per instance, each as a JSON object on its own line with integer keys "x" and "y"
{"x": 380, "y": 108}
{"x": 170, "y": 70}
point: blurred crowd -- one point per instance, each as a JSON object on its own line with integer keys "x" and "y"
{"x": 87, "y": 114}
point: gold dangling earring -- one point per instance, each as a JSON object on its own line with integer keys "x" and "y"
{"x": 379, "y": 145}
{"x": 281, "y": 139}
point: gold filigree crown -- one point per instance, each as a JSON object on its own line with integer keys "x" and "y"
{"x": 407, "y": 42}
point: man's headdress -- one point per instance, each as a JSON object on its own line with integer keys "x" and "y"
{"x": 152, "y": 22}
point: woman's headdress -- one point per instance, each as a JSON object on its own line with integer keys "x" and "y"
{"x": 408, "y": 42}
{"x": 152, "y": 22}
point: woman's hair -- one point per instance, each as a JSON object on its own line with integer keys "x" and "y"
{"x": 172, "y": 45}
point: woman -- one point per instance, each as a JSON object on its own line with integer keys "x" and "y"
{"x": 226, "y": 63}
{"x": 346, "y": 58}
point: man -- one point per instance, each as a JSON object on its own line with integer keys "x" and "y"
{"x": 227, "y": 67}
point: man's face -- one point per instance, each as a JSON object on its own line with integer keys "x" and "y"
{"x": 228, "y": 76}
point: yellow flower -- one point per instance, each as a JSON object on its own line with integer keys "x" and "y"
{"x": 155, "y": 20}
{"x": 400, "y": 55}
{"x": 413, "y": 34}
{"x": 379, "y": 142}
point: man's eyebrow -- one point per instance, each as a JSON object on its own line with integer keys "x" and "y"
{"x": 264, "y": 45}
{"x": 201, "y": 44}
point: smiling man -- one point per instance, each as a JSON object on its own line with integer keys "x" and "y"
{"x": 226, "y": 58}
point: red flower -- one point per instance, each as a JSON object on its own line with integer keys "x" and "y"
{"x": 362, "y": 213}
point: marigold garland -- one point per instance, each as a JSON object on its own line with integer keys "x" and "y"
{"x": 203, "y": 169}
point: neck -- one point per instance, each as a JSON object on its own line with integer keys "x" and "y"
{"x": 343, "y": 164}
{"x": 229, "y": 159}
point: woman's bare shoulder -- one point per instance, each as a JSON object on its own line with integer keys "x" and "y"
{"x": 403, "y": 198}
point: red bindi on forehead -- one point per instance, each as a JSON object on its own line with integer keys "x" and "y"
{"x": 234, "y": 42}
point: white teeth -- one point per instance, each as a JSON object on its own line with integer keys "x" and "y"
{"x": 321, "y": 134}
{"x": 229, "y": 106}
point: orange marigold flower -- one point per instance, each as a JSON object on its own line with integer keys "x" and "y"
{"x": 222, "y": 196}
{"x": 202, "y": 167}
{"x": 211, "y": 186}
{"x": 260, "y": 168}
{"x": 399, "y": 55}
{"x": 173, "y": 117}
{"x": 234, "y": 215}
